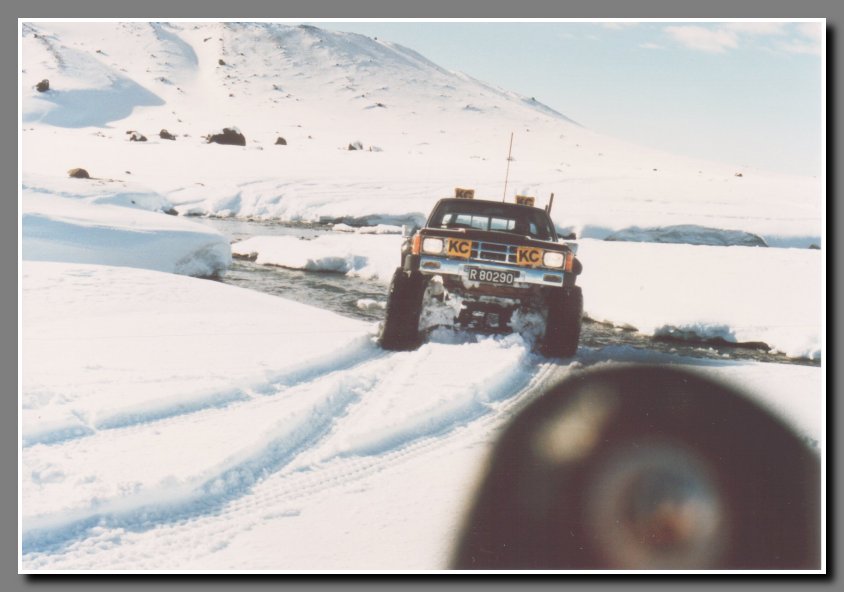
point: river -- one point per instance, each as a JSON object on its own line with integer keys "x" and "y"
{"x": 363, "y": 299}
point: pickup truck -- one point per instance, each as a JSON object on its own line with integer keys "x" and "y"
{"x": 491, "y": 266}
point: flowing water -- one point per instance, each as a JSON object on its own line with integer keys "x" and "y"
{"x": 365, "y": 299}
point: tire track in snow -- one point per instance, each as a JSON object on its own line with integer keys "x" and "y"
{"x": 231, "y": 479}
{"x": 309, "y": 471}
{"x": 282, "y": 495}
{"x": 359, "y": 352}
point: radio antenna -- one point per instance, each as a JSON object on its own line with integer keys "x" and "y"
{"x": 509, "y": 158}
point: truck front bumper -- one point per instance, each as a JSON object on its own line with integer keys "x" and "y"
{"x": 458, "y": 269}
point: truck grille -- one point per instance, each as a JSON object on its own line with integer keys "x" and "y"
{"x": 499, "y": 252}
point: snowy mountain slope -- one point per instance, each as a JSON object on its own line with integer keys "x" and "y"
{"x": 423, "y": 131}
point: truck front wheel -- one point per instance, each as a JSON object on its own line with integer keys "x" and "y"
{"x": 400, "y": 331}
{"x": 565, "y": 317}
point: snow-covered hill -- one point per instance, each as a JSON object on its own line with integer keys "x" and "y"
{"x": 422, "y": 130}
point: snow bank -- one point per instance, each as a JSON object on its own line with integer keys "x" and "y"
{"x": 69, "y": 230}
{"x": 739, "y": 294}
{"x": 370, "y": 256}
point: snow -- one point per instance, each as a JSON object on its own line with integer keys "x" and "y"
{"x": 676, "y": 290}
{"x": 172, "y": 422}
{"x": 57, "y": 228}
{"x": 368, "y": 256}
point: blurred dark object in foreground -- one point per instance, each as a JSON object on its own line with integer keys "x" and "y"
{"x": 646, "y": 468}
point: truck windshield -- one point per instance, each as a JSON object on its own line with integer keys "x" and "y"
{"x": 465, "y": 213}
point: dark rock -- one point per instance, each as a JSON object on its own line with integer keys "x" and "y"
{"x": 221, "y": 62}
{"x": 43, "y": 86}
{"x": 229, "y": 136}
{"x": 814, "y": 246}
{"x": 78, "y": 173}
{"x": 355, "y": 146}
{"x": 165, "y": 135}
{"x": 137, "y": 137}
{"x": 689, "y": 234}
{"x": 280, "y": 141}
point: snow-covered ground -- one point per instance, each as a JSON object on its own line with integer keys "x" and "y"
{"x": 170, "y": 422}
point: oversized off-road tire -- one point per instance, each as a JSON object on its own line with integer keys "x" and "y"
{"x": 400, "y": 330}
{"x": 646, "y": 467}
{"x": 565, "y": 317}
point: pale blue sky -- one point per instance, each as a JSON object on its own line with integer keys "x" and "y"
{"x": 748, "y": 93}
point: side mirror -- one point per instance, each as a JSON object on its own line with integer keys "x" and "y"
{"x": 408, "y": 230}
{"x": 645, "y": 468}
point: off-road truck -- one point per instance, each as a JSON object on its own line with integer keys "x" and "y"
{"x": 487, "y": 266}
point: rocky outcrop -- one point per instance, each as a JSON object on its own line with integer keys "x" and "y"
{"x": 78, "y": 173}
{"x": 229, "y": 135}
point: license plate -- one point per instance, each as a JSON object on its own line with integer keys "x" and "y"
{"x": 491, "y": 276}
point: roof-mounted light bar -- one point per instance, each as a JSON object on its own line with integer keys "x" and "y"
{"x": 461, "y": 193}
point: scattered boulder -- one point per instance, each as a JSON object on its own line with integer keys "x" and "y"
{"x": 814, "y": 246}
{"x": 280, "y": 141}
{"x": 136, "y": 136}
{"x": 739, "y": 175}
{"x": 355, "y": 146}
{"x": 221, "y": 62}
{"x": 229, "y": 135}
{"x": 43, "y": 86}
{"x": 165, "y": 135}
{"x": 78, "y": 173}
